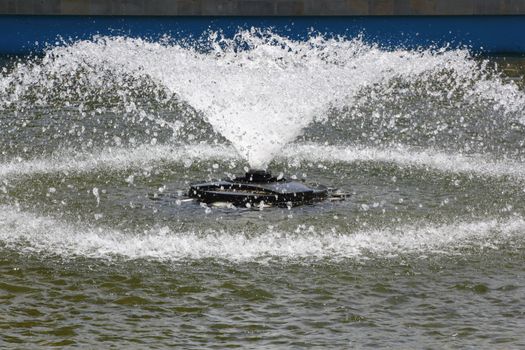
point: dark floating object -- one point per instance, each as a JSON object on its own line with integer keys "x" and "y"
{"x": 259, "y": 187}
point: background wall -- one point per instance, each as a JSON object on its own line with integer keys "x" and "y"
{"x": 262, "y": 7}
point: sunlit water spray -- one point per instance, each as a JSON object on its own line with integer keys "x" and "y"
{"x": 258, "y": 90}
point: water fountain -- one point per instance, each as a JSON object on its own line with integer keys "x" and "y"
{"x": 257, "y": 92}
{"x": 101, "y": 142}
{"x": 108, "y": 124}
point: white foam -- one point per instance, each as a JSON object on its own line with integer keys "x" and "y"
{"x": 114, "y": 159}
{"x": 30, "y": 233}
{"x": 475, "y": 164}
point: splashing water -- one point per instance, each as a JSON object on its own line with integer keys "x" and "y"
{"x": 139, "y": 157}
{"x": 45, "y": 235}
{"x": 258, "y": 90}
{"x": 439, "y": 112}
{"x": 100, "y": 139}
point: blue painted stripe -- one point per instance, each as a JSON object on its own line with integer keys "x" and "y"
{"x": 483, "y": 34}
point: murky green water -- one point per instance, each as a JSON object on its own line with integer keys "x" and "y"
{"x": 100, "y": 249}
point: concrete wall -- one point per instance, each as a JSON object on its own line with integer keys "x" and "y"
{"x": 262, "y": 7}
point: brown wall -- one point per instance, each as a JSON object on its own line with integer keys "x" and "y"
{"x": 263, "y": 7}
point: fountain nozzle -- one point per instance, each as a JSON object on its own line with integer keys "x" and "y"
{"x": 258, "y": 186}
{"x": 258, "y": 175}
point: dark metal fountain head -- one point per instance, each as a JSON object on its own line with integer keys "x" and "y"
{"x": 257, "y": 176}
{"x": 258, "y": 187}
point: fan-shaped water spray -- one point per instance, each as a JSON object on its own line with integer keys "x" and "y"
{"x": 258, "y": 90}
